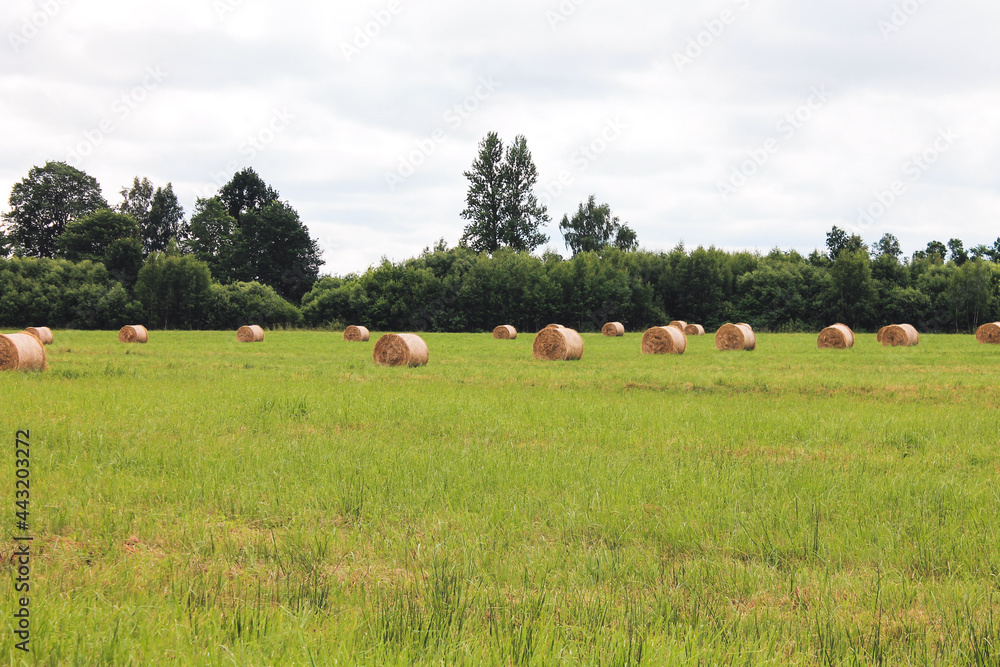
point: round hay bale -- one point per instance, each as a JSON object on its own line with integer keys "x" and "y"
{"x": 836, "y": 337}
{"x": 881, "y": 334}
{"x": 900, "y": 335}
{"x": 133, "y": 333}
{"x": 613, "y": 329}
{"x": 734, "y": 337}
{"x": 505, "y": 332}
{"x": 557, "y": 344}
{"x": 678, "y": 324}
{"x": 21, "y": 352}
{"x": 355, "y": 334}
{"x": 401, "y": 350}
{"x": 664, "y": 340}
{"x": 989, "y": 334}
{"x": 694, "y": 330}
{"x": 43, "y": 334}
{"x": 250, "y": 334}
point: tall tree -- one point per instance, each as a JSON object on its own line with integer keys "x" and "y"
{"x": 165, "y": 221}
{"x": 853, "y": 290}
{"x": 159, "y": 214}
{"x": 887, "y": 245}
{"x": 273, "y": 247}
{"x": 44, "y": 202}
{"x": 837, "y": 241}
{"x": 501, "y": 205}
{"x": 246, "y": 192}
{"x": 594, "y": 227}
{"x": 211, "y": 240}
{"x": 957, "y": 250}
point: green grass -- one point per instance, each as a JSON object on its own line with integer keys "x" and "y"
{"x": 199, "y": 501}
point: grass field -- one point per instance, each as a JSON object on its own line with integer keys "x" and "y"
{"x": 200, "y": 501}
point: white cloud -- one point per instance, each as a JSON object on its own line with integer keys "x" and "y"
{"x": 355, "y": 119}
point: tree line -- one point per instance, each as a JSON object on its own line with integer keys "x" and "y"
{"x": 69, "y": 259}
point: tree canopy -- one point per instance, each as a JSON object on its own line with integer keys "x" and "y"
{"x": 594, "y": 227}
{"x": 44, "y": 202}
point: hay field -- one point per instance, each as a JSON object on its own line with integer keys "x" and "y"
{"x": 198, "y": 501}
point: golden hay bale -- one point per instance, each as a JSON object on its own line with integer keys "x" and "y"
{"x": 836, "y": 337}
{"x": 505, "y": 332}
{"x": 135, "y": 333}
{"x": 43, "y": 334}
{"x": 21, "y": 352}
{"x": 694, "y": 330}
{"x": 613, "y": 329}
{"x": 900, "y": 335}
{"x": 557, "y": 344}
{"x": 881, "y": 334}
{"x": 733, "y": 337}
{"x": 400, "y": 350}
{"x": 989, "y": 333}
{"x": 250, "y": 334}
{"x": 664, "y": 340}
{"x": 678, "y": 324}
{"x": 355, "y": 334}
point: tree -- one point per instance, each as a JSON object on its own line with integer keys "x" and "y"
{"x": 500, "y": 205}
{"x": 246, "y": 192}
{"x": 91, "y": 236}
{"x": 273, "y": 247}
{"x": 44, "y": 202}
{"x": 837, "y": 241}
{"x": 211, "y": 237}
{"x": 174, "y": 289}
{"x": 853, "y": 290}
{"x": 159, "y": 214}
{"x": 958, "y": 253}
{"x": 938, "y": 250}
{"x": 888, "y": 245}
{"x": 594, "y": 227}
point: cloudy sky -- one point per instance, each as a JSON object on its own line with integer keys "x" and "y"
{"x": 738, "y": 123}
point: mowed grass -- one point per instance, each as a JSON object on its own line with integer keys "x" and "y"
{"x": 200, "y": 501}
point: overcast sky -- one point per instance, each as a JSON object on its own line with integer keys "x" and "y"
{"x": 735, "y": 123}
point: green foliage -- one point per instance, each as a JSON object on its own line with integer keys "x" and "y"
{"x": 593, "y": 227}
{"x": 837, "y": 241}
{"x": 60, "y": 293}
{"x": 501, "y": 205}
{"x": 44, "y": 202}
{"x": 853, "y": 290}
{"x": 274, "y": 247}
{"x": 174, "y": 291}
{"x": 246, "y": 192}
{"x": 91, "y": 236}
{"x": 237, "y": 304}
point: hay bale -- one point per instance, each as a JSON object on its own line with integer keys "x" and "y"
{"x": 613, "y": 329}
{"x": 678, "y": 324}
{"x": 505, "y": 332}
{"x": 836, "y": 337}
{"x": 21, "y": 352}
{"x": 44, "y": 334}
{"x": 900, "y": 335}
{"x": 989, "y": 334}
{"x": 133, "y": 333}
{"x": 694, "y": 330}
{"x": 357, "y": 334}
{"x": 733, "y": 337}
{"x": 664, "y": 340}
{"x": 881, "y": 334}
{"x": 250, "y": 334}
{"x": 400, "y": 350}
{"x": 557, "y": 344}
